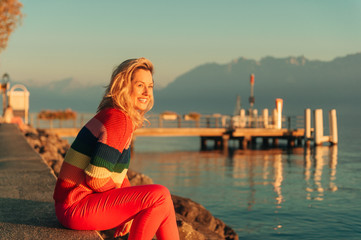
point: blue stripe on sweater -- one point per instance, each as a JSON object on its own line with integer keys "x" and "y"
{"x": 106, "y": 153}
{"x": 84, "y": 142}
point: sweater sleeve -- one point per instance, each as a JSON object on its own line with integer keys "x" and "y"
{"x": 110, "y": 129}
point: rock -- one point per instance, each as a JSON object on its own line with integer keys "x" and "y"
{"x": 202, "y": 220}
{"x": 186, "y": 231}
{"x": 136, "y": 178}
{"x": 193, "y": 220}
{"x": 51, "y": 148}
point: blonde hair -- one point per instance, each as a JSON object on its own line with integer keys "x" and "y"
{"x": 118, "y": 92}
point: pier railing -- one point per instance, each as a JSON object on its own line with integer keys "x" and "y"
{"x": 216, "y": 126}
{"x": 179, "y": 121}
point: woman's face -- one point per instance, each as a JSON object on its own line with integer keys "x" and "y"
{"x": 142, "y": 89}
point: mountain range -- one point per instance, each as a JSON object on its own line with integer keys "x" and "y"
{"x": 213, "y": 87}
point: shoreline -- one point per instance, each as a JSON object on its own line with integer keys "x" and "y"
{"x": 193, "y": 220}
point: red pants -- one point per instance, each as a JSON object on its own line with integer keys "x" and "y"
{"x": 150, "y": 207}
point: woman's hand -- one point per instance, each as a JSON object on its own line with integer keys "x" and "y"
{"x": 123, "y": 229}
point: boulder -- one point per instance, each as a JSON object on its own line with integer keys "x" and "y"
{"x": 136, "y": 178}
{"x": 193, "y": 220}
{"x": 50, "y": 146}
{"x": 201, "y": 220}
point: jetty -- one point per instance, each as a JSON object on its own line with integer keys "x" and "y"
{"x": 245, "y": 126}
{"x": 217, "y": 130}
{"x": 26, "y": 189}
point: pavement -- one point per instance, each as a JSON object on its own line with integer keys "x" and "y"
{"x": 26, "y": 190}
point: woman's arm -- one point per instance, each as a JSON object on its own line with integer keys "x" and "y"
{"x": 112, "y": 133}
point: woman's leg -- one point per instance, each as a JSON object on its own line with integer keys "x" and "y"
{"x": 150, "y": 206}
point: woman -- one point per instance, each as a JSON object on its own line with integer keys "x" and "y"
{"x": 93, "y": 191}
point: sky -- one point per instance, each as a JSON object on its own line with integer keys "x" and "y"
{"x": 85, "y": 39}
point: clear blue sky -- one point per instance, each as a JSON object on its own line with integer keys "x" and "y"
{"x": 85, "y": 39}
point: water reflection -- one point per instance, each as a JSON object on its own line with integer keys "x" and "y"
{"x": 278, "y": 178}
{"x": 252, "y": 176}
{"x": 313, "y": 173}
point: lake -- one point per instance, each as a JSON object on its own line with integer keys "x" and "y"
{"x": 279, "y": 193}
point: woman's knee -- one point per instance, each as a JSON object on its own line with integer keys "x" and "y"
{"x": 161, "y": 193}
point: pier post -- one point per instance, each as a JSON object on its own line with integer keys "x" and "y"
{"x": 299, "y": 141}
{"x": 255, "y": 118}
{"x": 279, "y": 105}
{"x": 290, "y": 142}
{"x": 307, "y": 136}
{"x": 242, "y": 114}
{"x": 245, "y": 142}
{"x": 265, "y": 117}
{"x": 265, "y": 142}
{"x": 218, "y": 143}
{"x": 203, "y": 143}
{"x": 319, "y": 137}
{"x": 225, "y": 138}
{"x": 253, "y": 141}
{"x": 250, "y": 118}
{"x": 179, "y": 119}
{"x": 333, "y": 127}
{"x": 275, "y": 142}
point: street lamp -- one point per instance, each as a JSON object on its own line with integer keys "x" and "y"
{"x": 4, "y": 86}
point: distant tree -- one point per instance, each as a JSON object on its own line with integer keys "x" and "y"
{"x": 10, "y": 17}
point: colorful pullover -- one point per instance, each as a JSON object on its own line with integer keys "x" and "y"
{"x": 98, "y": 159}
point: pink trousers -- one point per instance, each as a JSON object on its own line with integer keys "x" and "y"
{"x": 150, "y": 207}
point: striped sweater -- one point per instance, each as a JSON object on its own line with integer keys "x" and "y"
{"x": 98, "y": 159}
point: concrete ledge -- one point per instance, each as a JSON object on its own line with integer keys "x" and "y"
{"x": 26, "y": 190}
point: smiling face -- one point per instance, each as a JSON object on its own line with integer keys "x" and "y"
{"x": 142, "y": 89}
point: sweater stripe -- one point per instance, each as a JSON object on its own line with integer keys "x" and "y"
{"x": 118, "y": 177}
{"x": 124, "y": 158}
{"x": 98, "y": 159}
{"x": 77, "y": 159}
{"x": 120, "y": 166}
{"x": 105, "y": 152}
{"x": 97, "y": 129}
{"x": 100, "y": 184}
{"x": 97, "y": 172}
{"x": 71, "y": 174}
{"x": 84, "y": 142}
{"x": 101, "y": 162}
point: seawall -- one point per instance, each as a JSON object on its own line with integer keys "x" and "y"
{"x": 26, "y": 189}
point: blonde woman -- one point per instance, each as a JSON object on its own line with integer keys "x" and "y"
{"x": 92, "y": 190}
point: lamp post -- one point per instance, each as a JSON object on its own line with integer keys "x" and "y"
{"x": 5, "y": 84}
{"x": 251, "y": 98}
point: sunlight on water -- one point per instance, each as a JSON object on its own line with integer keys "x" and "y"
{"x": 262, "y": 194}
{"x": 298, "y": 193}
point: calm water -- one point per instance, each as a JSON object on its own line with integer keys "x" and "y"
{"x": 265, "y": 194}
{"x": 301, "y": 193}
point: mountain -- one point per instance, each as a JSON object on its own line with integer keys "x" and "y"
{"x": 300, "y": 82}
{"x": 213, "y": 87}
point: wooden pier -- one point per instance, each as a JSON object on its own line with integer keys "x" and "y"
{"x": 220, "y": 136}
{"x": 220, "y": 130}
